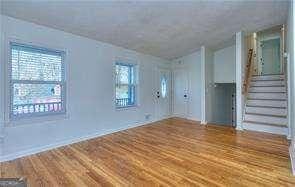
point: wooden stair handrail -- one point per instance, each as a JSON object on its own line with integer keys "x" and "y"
{"x": 249, "y": 72}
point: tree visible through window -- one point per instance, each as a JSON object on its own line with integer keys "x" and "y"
{"x": 125, "y": 85}
{"x": 37, "y": 81}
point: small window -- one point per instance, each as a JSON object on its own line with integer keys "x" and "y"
{"x": 164, "y": 86}
{"x": 125, "y": 85}
{"x": 37, "y": 81}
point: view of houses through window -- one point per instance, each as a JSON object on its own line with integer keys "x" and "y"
{"x": 125, "y": 85}
{"x": 37, "y": 81}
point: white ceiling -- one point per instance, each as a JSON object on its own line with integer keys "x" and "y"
{"x": 167, "y": 29}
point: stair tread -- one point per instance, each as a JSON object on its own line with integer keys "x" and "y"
{"x": 261, "y": 106}
{"x": 265, "y": 92}
{"x": 269, "y": 115}
{"x": 266, "y": 102}
{"x": 268, "y": 75}
{"x": 262, "y": 123}
{"x": 249, "y": 98}
{"x": 268, "y": 86}
{"x": 255, "y": 80}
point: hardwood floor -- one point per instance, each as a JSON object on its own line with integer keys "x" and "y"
{"x": 173, "y": 152}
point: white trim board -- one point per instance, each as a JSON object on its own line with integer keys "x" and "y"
{"x": 203, "y": 85}
{"x": 292, "y": 158}
{"x": 240, "y": 65}
{"x": 35, "y": 150}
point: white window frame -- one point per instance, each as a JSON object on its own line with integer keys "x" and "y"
{"x": 10, "y": 83}
{"x": 135, "y": 84}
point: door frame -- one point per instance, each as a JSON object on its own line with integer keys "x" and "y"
{"x": 259, "y": 50}
{"x": 157, "y": 88}
{"x": 185, "y": 116}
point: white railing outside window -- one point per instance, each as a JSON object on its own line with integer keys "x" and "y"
{"x": 126, "y": 85}
{"x": 37, "y": 81}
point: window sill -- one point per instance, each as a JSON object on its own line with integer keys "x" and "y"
{"x": 127, "y": 108}
{"x": 36, "y": 120}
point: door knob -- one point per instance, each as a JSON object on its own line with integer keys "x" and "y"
{"x": 185, "y": 96}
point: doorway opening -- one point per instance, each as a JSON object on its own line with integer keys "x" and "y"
{"x": 270, "y": 50}
{"x": 224, "y": 110}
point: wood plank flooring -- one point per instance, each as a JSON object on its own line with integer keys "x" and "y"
{"x": 173, "y": 152}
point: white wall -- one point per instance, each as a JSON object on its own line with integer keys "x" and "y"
{"x": 291, "y": 77}
{"x": 209, "y": 84}
{"x": 1, "y": 91}
{"x": 225, "y": 65}
{"x": 90, "y": 94}
{"x": 192, "y": 64}
{"x": 224, "y": 72}
{"x": 200, "y": 69}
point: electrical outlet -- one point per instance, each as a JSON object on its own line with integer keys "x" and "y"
{"x": 147, "y": 117}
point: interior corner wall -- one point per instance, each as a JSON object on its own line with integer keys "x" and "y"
{"x": 224, "y": 85}
{"x": 290, "y": 48}
{"x": 1, "y": 90}
{"x": 223, "y": 104}
{"x": 292, "y": 52}
{"x": 290, "y": 67}
{"x": 90, "y": 90}
{"x": 225, "y": 65}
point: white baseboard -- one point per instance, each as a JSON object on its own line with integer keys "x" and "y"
{"x": 239, "y": 128}
{"x": 204, "y": 122}
{"x": 292, "y": 157}
{"x": 193, "y": 119}
{"x": 186, "y": 117}
{"x": 35, "y": 150}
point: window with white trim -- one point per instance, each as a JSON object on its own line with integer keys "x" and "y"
{"x": 126, "y": 86}
{"x": 37, "y": 81}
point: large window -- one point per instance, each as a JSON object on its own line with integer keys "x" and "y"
{"x": 125, "y": 85}
{"x": 37, "y": 81}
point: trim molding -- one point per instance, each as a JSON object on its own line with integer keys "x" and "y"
{"x": 239, "y": 128}
{"x": 292, "y": 157}
{"x": 35, "y": 150}
{"x": 204, "y": 122}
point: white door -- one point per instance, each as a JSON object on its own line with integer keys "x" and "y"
{"x": 180, "y": 93}
{"x": 163, "y": 91}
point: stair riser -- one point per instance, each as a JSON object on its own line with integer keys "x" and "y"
{"x": 265, "y": 128}
{"x": 267, "y": 96}
{"x": 268, "y": 111}
{"x": 267, "y": 89}
{"x": 267, "y": 103}
{"x": 268, "y": 77}
{"x": 267, "y": 83}
{"x": 266, "y": 119}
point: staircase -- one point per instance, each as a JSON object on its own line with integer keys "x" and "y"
{"x": 266, "y": 104}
